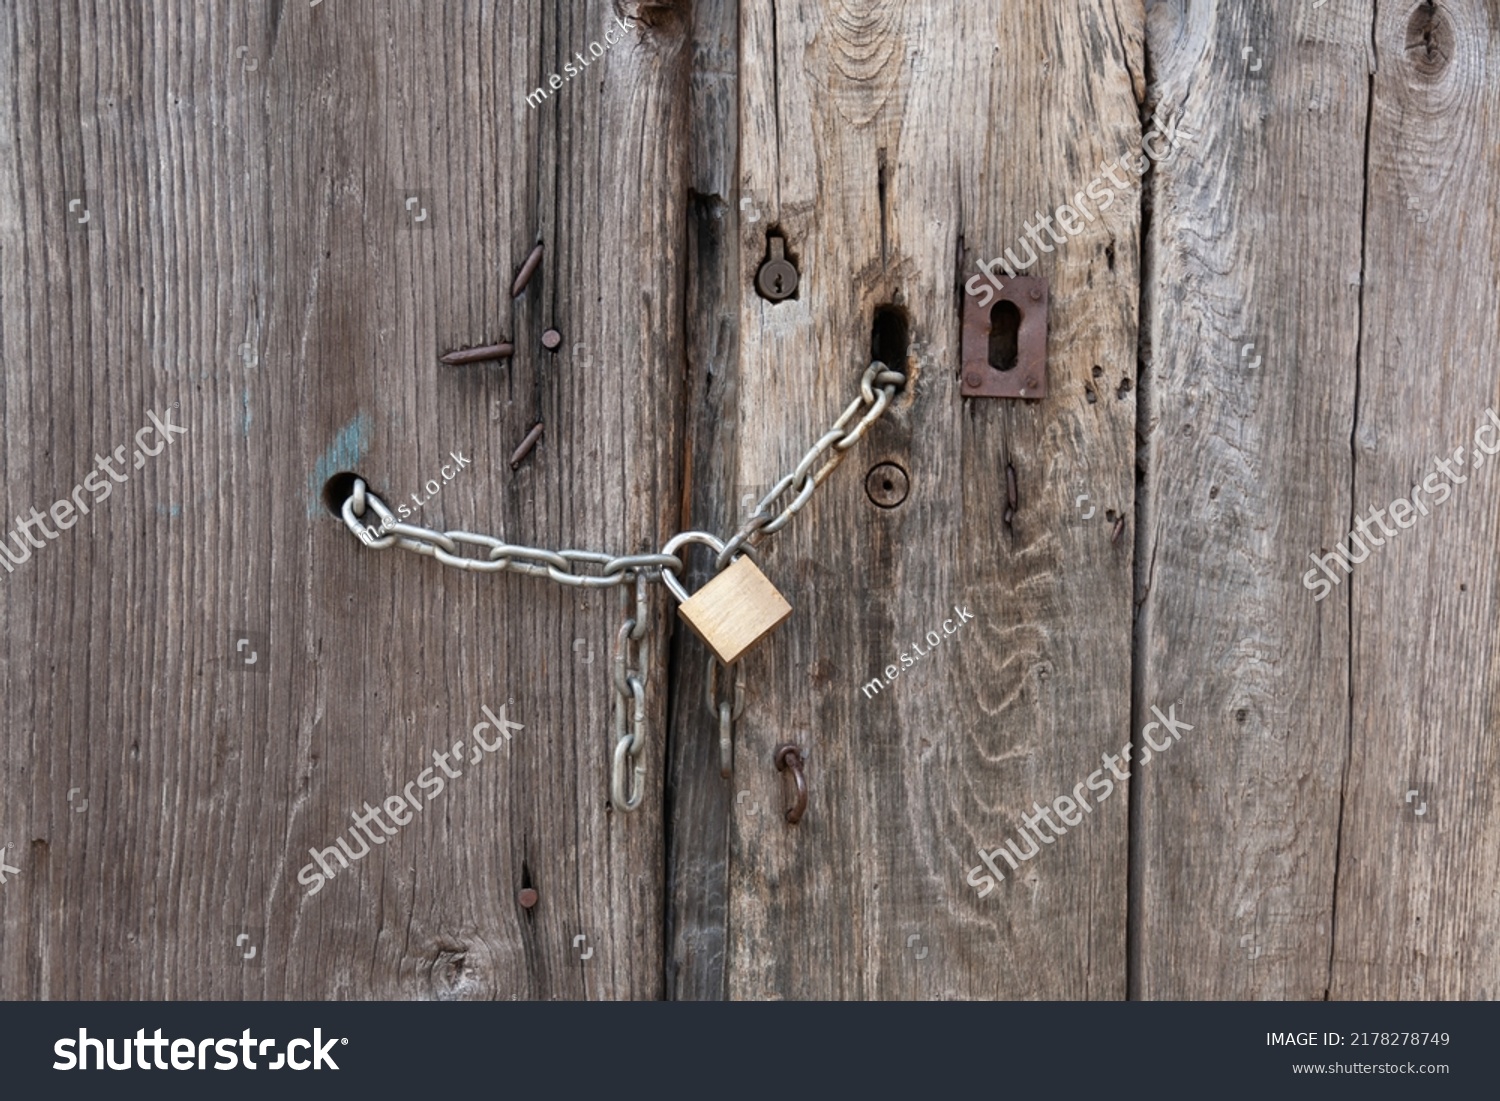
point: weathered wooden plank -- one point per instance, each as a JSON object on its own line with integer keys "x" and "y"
{"x": 887, "y": 195}
{"x": 700, "y": 798}
{"x": 270, "y": 207}
{"x": 1252, "y": 315}
{"x": 1416, "y": 913}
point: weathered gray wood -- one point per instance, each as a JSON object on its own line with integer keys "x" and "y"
{"x": 267, "y": 207}
{"x": 701, "y": 799}
{"x": 1416, "y": 915}
{"x": 250, "y": 255}
{"x": 1255, "y": 241}
{"x": 894, "y": 150}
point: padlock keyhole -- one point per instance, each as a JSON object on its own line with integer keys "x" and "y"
{"x": 1005, "y": 331}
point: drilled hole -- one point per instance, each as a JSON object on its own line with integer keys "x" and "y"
{"x": 1005, "y": 329}
{"x": 337, "y": 490}
{"x": 889, "y": 337}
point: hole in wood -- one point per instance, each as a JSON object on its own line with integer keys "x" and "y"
{"x": 337, "y": 490}
{"x": 1005, "y": 329}
{"x": 889, "y": 337}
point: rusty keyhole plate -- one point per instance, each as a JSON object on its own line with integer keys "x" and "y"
{"x": 1028, "y": 379}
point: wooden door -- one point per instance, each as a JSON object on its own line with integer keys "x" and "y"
{"x": 246, "y": 236}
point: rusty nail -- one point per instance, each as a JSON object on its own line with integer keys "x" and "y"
{"x": 1114, "y": 536}
{"x": 1011, "y": 496}
{"x": 1036, "y": 294}
{"x": 790, "y": 756}
{"x": 526, "y": 445}
{"x": 527, "y": 269}
{"x": 551, "y": 340}
{"x": 479, "y": 355}
{"x": 972, "y": 378}
{"x": 528, "y": 897}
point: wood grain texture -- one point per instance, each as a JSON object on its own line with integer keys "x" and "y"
{"x": 266, "y": 222}
{"x": 889, "y": 178}
{"x": 1255, "y": 241}
{"x": 699, "y": 798}
{"x": 267, "y": 207}
{"x": 1417, "y": 914}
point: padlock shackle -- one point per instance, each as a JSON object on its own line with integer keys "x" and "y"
{"x": 669, "y": 579}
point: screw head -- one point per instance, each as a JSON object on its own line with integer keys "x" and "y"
{"x": 528, "y": 897}
{"x": 887, "y": 485}
{"x": 551, "y": 340}
{"x": 1036, "y": 294}
{"x": 972, "y": 379}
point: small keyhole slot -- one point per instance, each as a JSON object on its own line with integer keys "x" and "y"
{"x": 1005, "y": 328}
{"x": 890, "y": 337}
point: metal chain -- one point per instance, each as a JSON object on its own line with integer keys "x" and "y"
{"x": 619, "y": 569}
{"x": 840, "y": 438}
{"x": 558, "y": 565}
{"x": 877, "y": 388}
{"x": 629, "y": 761}
{"x": 727, "y": 714}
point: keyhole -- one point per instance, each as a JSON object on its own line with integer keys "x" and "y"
{"x": 1005, "y": 327}
{"x": 778, "y": 283}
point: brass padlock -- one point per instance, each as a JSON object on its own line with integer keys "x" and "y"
{"x": 735, "y": 610}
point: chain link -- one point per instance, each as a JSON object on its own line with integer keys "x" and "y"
{"x": 628, "y": 766}
{"x": 726, "y": 713}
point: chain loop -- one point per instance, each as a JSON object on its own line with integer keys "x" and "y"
{"x": 726, "y": 714}
{"x": 628, "y": 763}
{"x": 877, "y": 388}
{"x": 840, "y": 438}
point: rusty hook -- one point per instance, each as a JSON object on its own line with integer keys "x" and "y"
{"x": 790, "y": 756}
